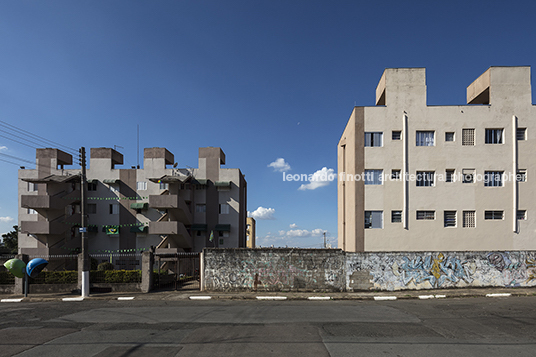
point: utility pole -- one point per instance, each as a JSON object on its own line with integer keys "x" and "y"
{"x": 83, "y": 228}
{"x": 324, "y": 240}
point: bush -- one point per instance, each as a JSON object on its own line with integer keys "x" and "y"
{"x": 115, "y": 276}
{"x": 71, "y": 277}
{"x": 105, "y": 266}
{"x": 6, "y": 278}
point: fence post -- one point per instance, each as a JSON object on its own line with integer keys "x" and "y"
{"x": 201, "y": 271}
{"x": 147, "y": 262}
{"x": 19, "y": 282}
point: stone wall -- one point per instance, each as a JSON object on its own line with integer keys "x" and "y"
{"x": 276, "y": 269}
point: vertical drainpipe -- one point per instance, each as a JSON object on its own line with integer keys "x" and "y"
{"x": 405, "y": 213}
{"x": 514, "y": 169}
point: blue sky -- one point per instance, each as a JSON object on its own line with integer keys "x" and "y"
{"x": 264, "y": 80}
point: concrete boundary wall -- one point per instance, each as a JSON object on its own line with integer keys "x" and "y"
{"x": 282, "y": 269}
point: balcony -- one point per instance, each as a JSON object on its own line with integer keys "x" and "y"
{"x": 42, "y": 202}
{"x": 172, "y": 202}
{"x": 43, "y": 227}
{"x": 176, "y": 230}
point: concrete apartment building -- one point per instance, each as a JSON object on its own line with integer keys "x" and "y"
{"x": 455, "y": 177}
{"x": 172, "y": 209}
{"x": 250, "y": 232}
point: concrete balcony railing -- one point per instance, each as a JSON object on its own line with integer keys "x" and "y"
{"x": 176, "y": 230}
{"x": 43, "y": 227}
{"x": 172, "y": 202}
{"x": 47, "y": 202}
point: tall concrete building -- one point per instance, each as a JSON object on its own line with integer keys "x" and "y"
{"x": 173, "y": 209}
{"x": 414, "y": 177}
{"x": 250, "y": 232}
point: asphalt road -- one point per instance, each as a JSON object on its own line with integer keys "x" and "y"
{"x": 439, "y": 327}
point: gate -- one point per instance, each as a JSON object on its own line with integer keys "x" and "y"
{"x": 176, "y": 271}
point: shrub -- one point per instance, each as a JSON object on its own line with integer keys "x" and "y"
{"x": 105, "y": 266}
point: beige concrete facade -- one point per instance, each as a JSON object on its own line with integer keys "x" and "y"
{"x": 403, "y": 137}
{"x": 169, "y": 208}
{"x": 250, "y": 232}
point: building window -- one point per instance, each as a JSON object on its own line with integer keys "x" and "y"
{"x": 449, "y": 136}
{"x": 31, "y": 211}
{"x": 142, "y": 185}
{"x": 373, "y": 139}
{"x": 224, "y": 208}
{"x": 32, "y": 187}
{"x": 468, "y": 137}
{"x": 221, "y": 241}
{"x": 373, "y": 219}
{"x": 200, "y": 208}
{"x": 396, "y": 135}
{"x": 425, "y": 178}
{"x": 493, "y": 215}
{"x": 114, "y": 208}
{"x": 373, "y": 177}
{"x": 114, "y": 188}
{"x": 223, "y": 234}
{"x": 449, "y": 218}
{"x": 164, "y": 186}
{"x": 469, "y": 219}
{"x": 395, "y": 174}
{"x": 425, "y": 215}
{"x": 494, "y": 136}
{"x": 425, "y": 138}
{"x": 468, "y": 175}
{"x": 450, "y": 175}
{"x": 91, "y": 208}
{"x": 522, "y": 215}
{"x": 396, "y": 216}
{"x": 92, "y": 186}
{"x": 521, "y": 176}
{"x": 521, "y": 133}
{"x": 493, "y": 178}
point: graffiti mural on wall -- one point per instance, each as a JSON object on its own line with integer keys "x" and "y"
{"x": 516, "y": 269}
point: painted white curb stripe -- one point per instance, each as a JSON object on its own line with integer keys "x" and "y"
{"x": 73, "y": 299}
{"x": 424, "y": 297}
{"x": 319, "y": 298}
{"x": 125, "y": 298}
{"x": 499, "y": 295}
{"x": 384, "y": 297}
{"x": 440, "y": 296}
{"x": 200, "y": 297}
{"x": 271, "y": 297}
{"x": 11, "y": 300}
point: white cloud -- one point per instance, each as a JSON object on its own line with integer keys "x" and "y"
{"x": 280, "y": 165}
{"x": 293, "y": 225}
{"x": 263, "y": 213}
{"x": 318, "y": 232}
{"x": 320, "y": 178}
{"x": 3, "y": 148}
{"x": 6, "y": 219}
{"x": 305, "y": 233}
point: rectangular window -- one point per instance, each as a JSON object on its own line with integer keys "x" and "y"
{"x": 522, "y": 215}
{"x": 493, "y": 215}
{"x": 373, "y": 177}
{"x": 221, "y": 241}
{"x": 396, "y": 135}
{"x": 164, "y": 186}
{"x": 493, "y": 178}
{"x": 468, "y": 137}
{"x": 32, "y": 187}
{"x": 425, "y": 178}
{"x": 200, "y": 208}
{"x": 91, "y": 208}
{"x": 469, "y": 219}
{"x": 114, "y": 188}
{"x": 114, "y": 208}
{"x": 449, "y": 136}
{"x": 425, "y": 215}
{"x": 224, "y": 208}
{"x": 92, "y": 186}
{"x": 395, "y": 174}
{"x": 468, "y": 175}
{"x": 449, "y": 218}
{"x": 424, "y": 138}
{"x": 373, "y": 219}
{"x": 494, "y": 136}
{"x": 142, "y": 185}
{"x": 31, "y": 211}
{"x": 450, "y": 175}
{"x": 521, "y": 133}
{"x": 521, "y": 176}
{"x": 396, "y": 216}
{"x": 373, "y": 139}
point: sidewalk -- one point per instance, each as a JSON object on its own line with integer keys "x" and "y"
{"x": 360, "y": 295}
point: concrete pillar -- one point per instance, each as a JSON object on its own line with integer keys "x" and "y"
{"x": 147, "y": 262}
{"x": 80, "y": 267}
{"x": 19, "y": 282}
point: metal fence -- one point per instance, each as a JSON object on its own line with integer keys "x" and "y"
{"x": 6, "y": 278}
{"x": 176, "y": 271}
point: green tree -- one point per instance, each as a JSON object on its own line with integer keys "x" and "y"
{"x": 11, "y": 240}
